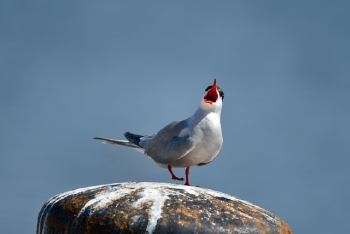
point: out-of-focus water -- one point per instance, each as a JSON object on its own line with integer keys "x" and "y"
{"x": 74, "y": 70}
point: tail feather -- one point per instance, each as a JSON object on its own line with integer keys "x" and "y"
{"x": 119, "y": 142}
{"x": 133, "y": 138}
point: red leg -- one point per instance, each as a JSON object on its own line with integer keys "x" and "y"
{"x": 187, "y": 175}
{"x": 173, "y": 176}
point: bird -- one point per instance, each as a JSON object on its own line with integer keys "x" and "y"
{"x": 195, "y": 141}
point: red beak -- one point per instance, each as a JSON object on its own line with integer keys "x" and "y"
{"x": 212, "y": 94}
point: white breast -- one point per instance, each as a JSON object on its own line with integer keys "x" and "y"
{"x": 208, "y": 137}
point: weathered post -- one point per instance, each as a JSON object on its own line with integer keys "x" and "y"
{"x": 153, "y": 208}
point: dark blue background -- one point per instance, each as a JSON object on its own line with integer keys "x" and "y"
{"x": 72, "y": 70}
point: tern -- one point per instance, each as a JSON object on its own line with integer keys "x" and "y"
{"x": 196, "y": 140}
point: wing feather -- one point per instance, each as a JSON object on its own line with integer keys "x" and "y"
{"x": 168, "y": 145}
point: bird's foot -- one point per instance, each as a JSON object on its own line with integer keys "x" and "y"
{"x": 174, "y": 177}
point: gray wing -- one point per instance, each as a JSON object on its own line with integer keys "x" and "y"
{"x": 168, "y": 145}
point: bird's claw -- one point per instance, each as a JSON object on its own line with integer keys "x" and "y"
{"x": 177, "y": 178}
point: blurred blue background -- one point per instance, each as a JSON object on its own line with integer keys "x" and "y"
{"x": 72, "y": 70}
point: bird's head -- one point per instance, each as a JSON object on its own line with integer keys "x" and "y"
{"x": 213, "y": 97}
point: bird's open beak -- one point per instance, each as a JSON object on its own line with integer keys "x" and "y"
{"x": 212, "y": 94}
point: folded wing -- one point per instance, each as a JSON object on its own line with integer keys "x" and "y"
{"x": 170, "y": 143}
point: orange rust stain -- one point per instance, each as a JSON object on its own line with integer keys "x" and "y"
{"x": 284, "y": 228}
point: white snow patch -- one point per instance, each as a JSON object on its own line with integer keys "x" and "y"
{"x": 157, "y": 198}
{"x": 105, "y": 198}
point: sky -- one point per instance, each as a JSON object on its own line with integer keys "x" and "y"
{"x": 73, "y": 70}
